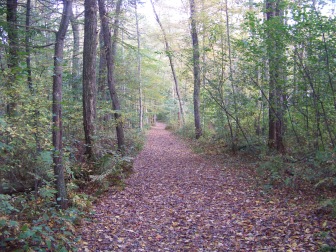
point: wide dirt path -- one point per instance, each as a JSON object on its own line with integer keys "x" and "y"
{"x": 178, "y": 201}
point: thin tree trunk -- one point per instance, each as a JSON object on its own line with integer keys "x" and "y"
{"x": 172, "y": 67}
{"x": 89, "y": 75}
{"x": 102, "y": 79}
{"x": 30, "y": 86}
{"x": 75, "y": 56}
{"x": 27, "y": 42}
{"x": 234, "y": 95}
{"x": 111, "y": 53}
{"x": 29, "y": 72}
{"x": 141, "y": 110}
{"x": 196, "y": 70}
{"x": 61, "y": 195}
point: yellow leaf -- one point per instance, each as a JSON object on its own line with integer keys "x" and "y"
{"x": 175, "y": 224}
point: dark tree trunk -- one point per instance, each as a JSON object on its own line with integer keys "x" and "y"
{"x": 197, "y": 78}
{"x": 111, "y": 53}
{"x": 13, "y": 60}
{"x": 61, "y": 196}
{"x": 89, "y": 75}
{"x": 27, "y": 42}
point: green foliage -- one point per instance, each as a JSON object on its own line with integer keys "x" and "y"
{"x": 327, "y": 248}
{"x": 187, "y": 131}
{"x": 6, "y": 206}
{"x": 135, "y": 141}
{"x": 329, "y": 205}
{"x": 36, "y": 224}
{"x": 111, "y": 169}
{"x": 272, "y": 170}
{"x": 284, "y": 170}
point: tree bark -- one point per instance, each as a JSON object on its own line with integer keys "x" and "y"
{"x": 141, "y": 109}
{"x": 276, "y": 83}
{"x": 13, "y": 59}
{"x": 89, "y": 75}
{"x": 61, "y": 196}
{"x": 75, "y": 56}
{"x": 196, "y": 70}
{"x": 102, "y": 72}
{"x": 171, "y": 62}
{"x": 111, "y": 53}
{"x": 27, "y": 43}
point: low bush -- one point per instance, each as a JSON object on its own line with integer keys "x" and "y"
{"x": 28, "y": 223}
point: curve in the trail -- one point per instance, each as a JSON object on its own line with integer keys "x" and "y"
{"x": 177, "y": 201}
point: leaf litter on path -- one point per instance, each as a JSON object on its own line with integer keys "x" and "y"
{"x": 177, "y": 200}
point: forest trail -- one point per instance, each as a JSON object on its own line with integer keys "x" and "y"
{"x": 177, "y": 200}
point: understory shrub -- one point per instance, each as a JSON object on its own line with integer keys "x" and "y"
{"x": 318, "y": 170}
{"x": 28, "y": 223}
{"x": 111, "y": 169}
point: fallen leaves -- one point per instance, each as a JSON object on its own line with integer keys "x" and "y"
{"x": 178, "y": 201}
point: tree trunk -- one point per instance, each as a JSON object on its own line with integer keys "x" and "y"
{"x": 13, "y": 59}
{"x": 172, "y": 67}
{"x": 196, "y": 70}
{"x": 27, "y": 43}
{"x": 102, "y": 79}
{"x": 111, "y": 53}
{"x": 276, "y": 82}
{"x": 139, "y": 68}
{"x": 29, "y": 72}
{"x": 89, "y": 75}
{"x": 75, "y": 56}
{"x": 233, "y": 86}
{"x": 61, "y": 196}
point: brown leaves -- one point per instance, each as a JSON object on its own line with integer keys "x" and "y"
{"x": 178, "y": 201}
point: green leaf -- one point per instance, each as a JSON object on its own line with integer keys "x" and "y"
{"x": 49, "y": 245}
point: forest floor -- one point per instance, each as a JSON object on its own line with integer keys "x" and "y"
{"x": 177, "y": 200}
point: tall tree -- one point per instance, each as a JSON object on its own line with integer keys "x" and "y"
{"x": 13, "y": 59}
{"x": 276, "y": 80}
{"x": 141, "y": 109}
{"x": 75, "y": 54}
{"x": 102, "y": 68}
{"x": 27, "y": 43}
{"x": 29, "y": 71}
{"x": 61, "y": 196}
{"x": 89, "y": 75}
{"x": 171, "y": 62}
{"x": 111, "y": 53}
{"x": 196, "y": 70}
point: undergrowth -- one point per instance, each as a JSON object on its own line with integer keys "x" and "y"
{"x": 31, "y": 220}
{"x": 298, "y": 171}
{"x": 30, "y": 223}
